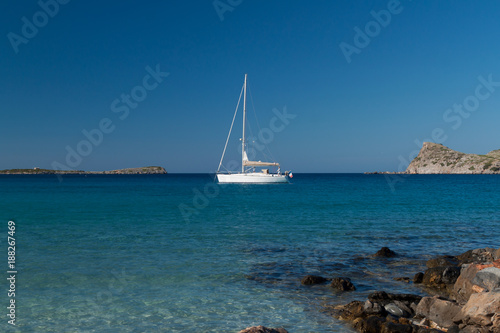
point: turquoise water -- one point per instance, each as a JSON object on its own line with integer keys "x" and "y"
{"x": 177, "y": 253}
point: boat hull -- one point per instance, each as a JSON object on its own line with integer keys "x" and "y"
{"x": 251, "y": 178}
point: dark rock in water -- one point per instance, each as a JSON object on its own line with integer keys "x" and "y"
{"x": 343, "y": 284}
{"x": 313, "y": 279}
{"x": 403, "y": 279}
{"x": 439, "y": 310}
{"x": 379, "y": 297}
{"x": 488, "y": 278}
{"x": 418, "y": 278}
{"x": 441, "y": 277}
{"x": 262, "y": 329}
{"x": 385, "y": 298}
{"x": 442, "y": 261}
{"x": 385, "y": 252}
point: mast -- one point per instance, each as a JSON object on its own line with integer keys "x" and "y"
{"x": 244, "y": 117}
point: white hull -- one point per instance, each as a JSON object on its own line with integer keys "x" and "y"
{"x": 251, "y": 178}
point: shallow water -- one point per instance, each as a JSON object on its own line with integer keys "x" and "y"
{"x": 103, "y": 253}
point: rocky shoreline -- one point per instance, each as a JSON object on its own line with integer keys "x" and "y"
{"x": 463, "y": 295}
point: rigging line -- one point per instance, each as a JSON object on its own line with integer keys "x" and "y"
{"x": 260, "y": 129}
{"x": 230, "y": 129}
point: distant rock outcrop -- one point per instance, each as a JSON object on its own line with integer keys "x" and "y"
{"x": 435, "y": 158}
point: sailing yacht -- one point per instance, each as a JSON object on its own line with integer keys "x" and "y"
{"x": 248, "y": 172}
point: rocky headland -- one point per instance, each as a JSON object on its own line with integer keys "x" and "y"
{"x": 129, "y": 171}
{"x": 434, "y": 158}
{"x": 438, "y": 159}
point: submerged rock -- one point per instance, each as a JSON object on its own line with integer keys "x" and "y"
{"x": 403, "y": 279}
{"x": 313, "y": 279}
{"x": 343, "y": 284}
{"x": 262, "y": 329}
{"x": 385, "y": 252}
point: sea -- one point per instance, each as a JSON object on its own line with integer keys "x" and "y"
{"x": 180, "y": 253}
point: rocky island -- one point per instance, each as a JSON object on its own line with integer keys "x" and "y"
{"x": 128, "y": 171}
{"x": 435, "y": 158}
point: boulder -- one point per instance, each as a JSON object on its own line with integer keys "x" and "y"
{"x": 262, "y": 329}
{"x": 397, "y": 311}
{"x": 374, "y": 308}
{"x": 481, "y": 309}
{"x": 403, "y": 279}
{"x": 385, "y": 252}
{"x": 475, "y": 329}
{"x": 313, "y": 279}
{"x": 390, "y": 327}
{"x": 495, "y": 263}
{"x": 442, "y": 261}
{"x": 418, "y": 278}
{"x": 379, "y": 297}
{"x": 350, "y": 311}
{"x": 477, "y": 256}
{"x": 407, "y": 311}
{"x": 343, "y": 284}
{"x": 440, "y": 277}
{"x": 496, "y": 254}
{"x": 440, "y": 311}
{"x": 372, "y": 324}
{"x": 463, "y": 286}
{"x": 488, "y": 278}
{"x": 384, "y": 298}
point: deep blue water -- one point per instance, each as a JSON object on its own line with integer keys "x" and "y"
{"x": 178, "y": 253}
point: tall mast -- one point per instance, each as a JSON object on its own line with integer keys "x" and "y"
{"x": 244, "y": 117}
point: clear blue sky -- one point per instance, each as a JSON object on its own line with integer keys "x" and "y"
{"x": 355, "y": 116}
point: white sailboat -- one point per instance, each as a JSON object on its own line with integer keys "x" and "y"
{"x": 248, "y": 173}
